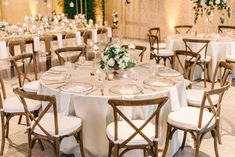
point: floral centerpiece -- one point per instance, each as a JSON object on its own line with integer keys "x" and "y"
{"x": 115, "y": 57}
{"x": 208, "y": 6}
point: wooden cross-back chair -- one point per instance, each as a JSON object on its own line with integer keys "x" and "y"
{"x": 222, "y": 28}
{"x": 49, "y": 126}
{"x": 10, "y": 107}
{"x": 79, "y": 49}
{"x": 159, "y": 54}
{"x": 197, "y": 121}
{"x": 21, "y": 71}
{"x": 47, "y": 39}
{"x": 141, "y": 50}
{"x": 187, "y": 68}
{"x": 205, "y": 60}
{"x": 194, "y": 96}
{"x": 179, "y": 29}
{"x": 147, "y": 141}
{"x": 12, "y": 44}
{"x": 155, "y": 31}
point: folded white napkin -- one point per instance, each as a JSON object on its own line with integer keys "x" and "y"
{"x": 78, "y": 38}
{"x": 94, "y": 35}
{"x": 109, "y": 32}
{"x": 36, "y": 44}
{"x": 3, "y": 50}
{"x": 59, "y": 40}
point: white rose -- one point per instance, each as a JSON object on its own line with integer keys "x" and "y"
{"x": 105, "y": 58}
{"x": 111, "y": 62}
{"x": 217, "y": 2}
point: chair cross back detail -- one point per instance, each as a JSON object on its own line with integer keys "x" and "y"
{"x": 62, "y": 60}
{"x": 215, "y": 110}
{"x": 204, "y": 46}
{"x": 224, "y": 70}
{"x": 153, "y": 39}
{"x": 142, "y": 49}
{"x": 21, "y": 42}
{"x": 179, "y": 27}
{"x": 187, "y": 67}
{"x": 29, "y": 116}
{"x": 138, "y": 131}
{"x": 155, "y": 31}
{"x": 22, "y": 74}
{"x": 221, "y": 28}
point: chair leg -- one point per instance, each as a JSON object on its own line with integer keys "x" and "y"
{"x": 197, "y": 144}
{"x": 41, "y": 145}
{"x": 3, "y": 134}
{"x": 213, "y": 133}
{"x": 116, "y": 150}
{"x": 156, "y": 149}
{"x": 218, "y": 132}
{"x": 81, "y": 144}
{"x": 208, "y": 72}
{"x": 205, "y": 75}
{"x": 57, "y": 147}
{"x": 184, "y": 140}
{"x": 20, "y": 118}
{"x": 30, "y": 144}
{"x": 7, "y": 127}
{"x": 110, "y": 149}
{"x": 167, "y": 140}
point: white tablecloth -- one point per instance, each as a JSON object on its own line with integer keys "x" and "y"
{"x": 219, "y": 48}
{"x": 96, "y": 113}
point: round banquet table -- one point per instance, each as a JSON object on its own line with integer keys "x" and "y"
{"x": 92, "y": 107}
{"x": 219, "y": 48}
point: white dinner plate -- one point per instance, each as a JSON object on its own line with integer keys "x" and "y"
{"x": 159, "y": 82}
{"x": 126, "y": 89}
{"x": 77, "y": 87}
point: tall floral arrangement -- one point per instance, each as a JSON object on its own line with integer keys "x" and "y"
{"x": 207, "y": 7}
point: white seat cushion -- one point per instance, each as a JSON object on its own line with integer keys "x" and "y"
{"x": 125, "y": 131}
{"x": 164, "y": 53}
{"x": 187, "y": 82}
{"x": 67, "y": 124}
{"x": 14, "y": 105}
{"x": 187, "y": 118}
{"x": 202, "y": 59}
{"x": 194, "y": 96}
{"x": 31, "y": 86}
{"x": 161, "y": 46}
{"x": 231, "y": 58}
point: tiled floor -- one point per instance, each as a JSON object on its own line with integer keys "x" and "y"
{"x": 16, "y": 145}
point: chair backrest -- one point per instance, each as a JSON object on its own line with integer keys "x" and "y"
{"x": 33, "y": 122}
{"x": 22, "y": 67}
{"x": 179, "y": 29}
{"x": 199, "y": 46}
{"x": 153, "y": 39}
{"x": 187, "y": 61}
{"x": 224, "y": 70}
{"x": 78, "y": 49}
{"x": 155, "y": 31}
{"x": 141, "y": 50}
{"x": 158, "y": 102}
{"x": 47, "y": 39}
{"x": 223, "y": 28}
{"x": 215, "y": 110}
{"x": 21, "y": 42}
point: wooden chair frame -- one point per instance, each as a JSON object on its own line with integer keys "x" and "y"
{"x": 81, "y": 49}
{"x": 154, "y": 39}
{"x": 155, "y": 31}
{"x": 178, "y": 27}
{"x": 153, "y": 150}
{"x": 142, "y": 49}
{"x": 224, "y": 70}
{"x": 199, "y": 133}
{"x": 47, "y": 40}
{"x": 204, "y": 65}
{"x": 22, "y": 74}
{"x": 222, "y": 27}
{"x": 188, "y": 67}
{"x": 6, "y": 117}
{"x": 32, "y": 136}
